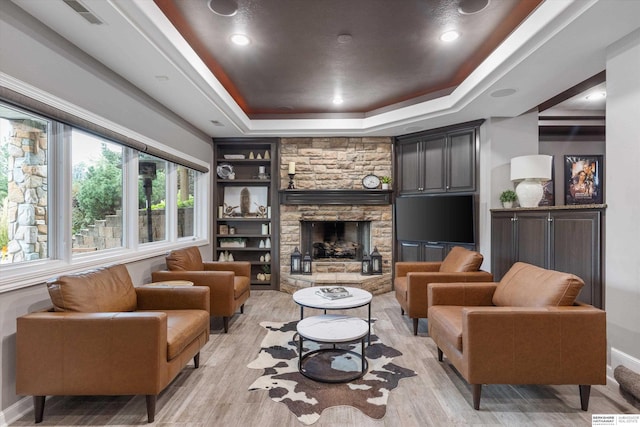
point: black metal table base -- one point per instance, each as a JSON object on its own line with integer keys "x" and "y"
{"x": 316, "y": 364}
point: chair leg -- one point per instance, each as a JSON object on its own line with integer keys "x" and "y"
{"x": 38, "y": 406}
{"x": 585, "y": 391}
{"x": 225, "y": 321}
{"x": 476, "y": 392}
{"x": 439, "y": 355}
{"x": 242, "y": 309}
{"x": 415, "y": 326}
{"x": 151, "y": 407}
{"x": 196, "y": 360}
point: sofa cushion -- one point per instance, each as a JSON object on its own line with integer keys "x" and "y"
{"x": 188, "y": 259}
{"x": 526, "y": 285}
{"x": 183, "y": 327}
{"x": 102, "y": 290}
{"x": 447, "y": 320}
{"x": 459, "y": 260}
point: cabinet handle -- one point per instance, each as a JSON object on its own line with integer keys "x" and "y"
{"x": 549, "y": 219}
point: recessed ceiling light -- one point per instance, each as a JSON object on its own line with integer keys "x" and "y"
{"x": 449, "y": 36}
{"x": 240, "y": 39}
{"x": 469, "y": 7}
{"x": 337, "y": 100}
{"x": 223, "y": 7}
{"x": 503, "y": 92}
{"x": 596, "y": 96}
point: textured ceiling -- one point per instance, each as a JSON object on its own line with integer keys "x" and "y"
{"x": 373, "y": 54}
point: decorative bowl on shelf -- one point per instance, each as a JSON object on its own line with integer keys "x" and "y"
{"x": 225, "y": 170}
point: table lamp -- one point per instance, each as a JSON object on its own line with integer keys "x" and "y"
{"x": 531, "y": 171}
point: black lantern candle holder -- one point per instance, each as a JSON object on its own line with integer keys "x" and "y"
{"x": 376, "y": 262}
{"x": 296, "y": 261}
{"x": 291, "y": 186}
{"x": 306, "y": 264}
{"x": 365, "y": 270}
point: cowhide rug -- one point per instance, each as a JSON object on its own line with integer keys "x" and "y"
{"x": 307, "y": 398}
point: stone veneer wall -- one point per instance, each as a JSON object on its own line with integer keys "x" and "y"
{"x": 335, "y": 163}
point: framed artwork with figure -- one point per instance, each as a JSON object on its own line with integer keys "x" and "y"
{"x": 583, "y": 179}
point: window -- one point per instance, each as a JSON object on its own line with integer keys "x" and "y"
{"x": 152, "y": 196}
{"x": 24, "y": 210}
{"x": 86, "y": 195}
{"x": 186, "y": 187}
{"x": 96, "y": 193}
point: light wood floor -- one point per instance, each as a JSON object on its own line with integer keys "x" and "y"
{"x": 217, "y": 393}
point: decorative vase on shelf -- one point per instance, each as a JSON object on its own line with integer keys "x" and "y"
{"x": 385, "y": 186}
{"x": 507, "y": 205}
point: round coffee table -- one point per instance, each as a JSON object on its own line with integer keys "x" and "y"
{"x": 307, "y": 297}
{"x": 334, "y": 364}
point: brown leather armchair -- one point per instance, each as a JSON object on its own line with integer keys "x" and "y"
{"x": 229, "y": 282}
{"x": 105, "y": 337}
{"x": 412, "y": 278}
{"x": 526, "y": 329}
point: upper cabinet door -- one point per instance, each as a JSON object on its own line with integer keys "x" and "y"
{"x": 461, "y": 161}
{"x": 434, "y": 172}
{"x": 410, "y": 167}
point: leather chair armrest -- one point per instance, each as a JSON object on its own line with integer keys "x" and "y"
{"x": 569, "y": 342}
{"x": 217, "y": 279}
{"x": 404, "y": 267}
{"x": 240, "y": 268}
{"x": 90, "y": 353}
{"x": 417, "y": 282}
{"x": 461, "y": 294}
{"x": 173, "y": 298}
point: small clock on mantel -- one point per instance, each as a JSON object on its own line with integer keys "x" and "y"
{"x": 370, "y": 182}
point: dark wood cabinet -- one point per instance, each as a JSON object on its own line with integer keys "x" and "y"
{"x": 438, "y": 161}
{"x": 566, "y": 239}
{"x": 426, "y": 251}
{"x": 246, "y": 214}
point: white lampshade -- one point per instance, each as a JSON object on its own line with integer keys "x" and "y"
{"x": 532, "y": 170}
{"x": 537, "y": 166}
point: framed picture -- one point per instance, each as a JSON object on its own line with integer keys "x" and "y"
{"x": 583, "y": 179}
{"x": 548, "y": 198}
{"x": 245, "y": 201}
{"x": 224, "y": 229}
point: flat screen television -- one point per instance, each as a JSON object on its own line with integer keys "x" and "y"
{"x": 435, "y": 218}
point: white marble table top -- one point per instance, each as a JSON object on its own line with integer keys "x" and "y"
{"x": 332, "y": 328}
{"x": 307, "y": 297}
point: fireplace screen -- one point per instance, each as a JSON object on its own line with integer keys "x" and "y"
{"x": 335, "y": 240}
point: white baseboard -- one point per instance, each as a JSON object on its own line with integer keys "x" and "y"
{"x": 620, "y": 358}
{"x": 16, "y": 411}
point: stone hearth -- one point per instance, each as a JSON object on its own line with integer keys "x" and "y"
{"x": 379, "y": 284}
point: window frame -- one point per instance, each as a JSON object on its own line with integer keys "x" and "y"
{"x": 59, "y": 170}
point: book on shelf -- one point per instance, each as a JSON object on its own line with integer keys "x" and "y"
{"x": 334, "y": 292}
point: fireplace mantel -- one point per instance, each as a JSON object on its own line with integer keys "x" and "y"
{"x": 335, "y": 197}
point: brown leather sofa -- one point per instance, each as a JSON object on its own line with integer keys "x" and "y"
{"x": 526, "y": 329}
{"x": 103, "y": 336}
{"x": 229, "y": 282}
{"x": 411, "y": 279}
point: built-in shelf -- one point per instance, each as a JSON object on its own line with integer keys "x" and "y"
{"x": 335, "y": 197}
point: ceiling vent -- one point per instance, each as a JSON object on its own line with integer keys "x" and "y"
{"x": 83, "y": 11}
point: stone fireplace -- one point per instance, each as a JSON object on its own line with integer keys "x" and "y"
{"x": 329, "y": 214}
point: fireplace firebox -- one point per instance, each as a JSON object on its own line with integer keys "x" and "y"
{"x": 336, "y": 240}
